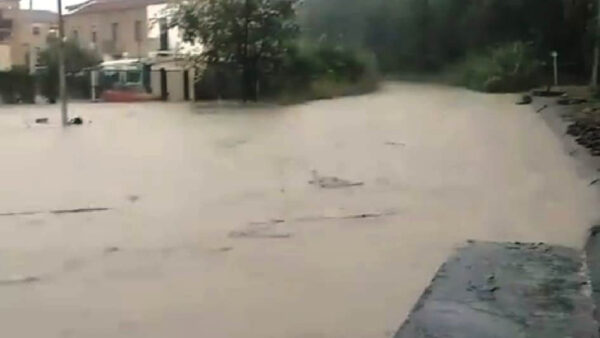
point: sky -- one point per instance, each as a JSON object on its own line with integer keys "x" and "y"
{"x": 47, "y": 4}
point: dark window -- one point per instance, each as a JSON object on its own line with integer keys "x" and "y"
{"x": 164, "y": 34}
{"x": 4, "y": 34}
{"x": 36, "y": 30}
{"x": 137, "y": 31}
{"x": 94, "y": 37}
{"x": 115, "y": 31}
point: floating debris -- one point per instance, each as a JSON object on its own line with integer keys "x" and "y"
{"x": 395, "y": 144}
{"x": 111, "y": 249}
{"x": 58, "y": 212}
{"x": 76, "y": 121}
{"x": 19, "y": 280}
{"x": 258, "y": 234}
{"x": 77, "y": 211}
{"x": 331, "y": 182}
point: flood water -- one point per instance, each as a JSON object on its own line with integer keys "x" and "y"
{"x": 213, "y": 227}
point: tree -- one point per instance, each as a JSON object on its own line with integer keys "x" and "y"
{"x": 76, "y": 60}
{"x": 252, "y": 35}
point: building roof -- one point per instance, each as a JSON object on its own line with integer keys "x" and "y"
{"x": 39, "y": 16}
{"x": 93, "y": 6}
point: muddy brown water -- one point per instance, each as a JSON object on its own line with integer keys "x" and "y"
{"x": 438, "y": 165}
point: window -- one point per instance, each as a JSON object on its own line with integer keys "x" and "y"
{"x": 137, "y": 31}
{"x": 94, "y": 37}
{"x": 36, "y": 30}
{"x": 164, "y": 34}
{"x": 115, "y": 31}
{"x": 4, "y": 35}
{"x": 75, "y": 35}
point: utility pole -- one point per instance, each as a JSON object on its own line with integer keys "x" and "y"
{"x": 62, "y": 82}
{"x": 596, "y": 65}
{"x": 246, "y": 71}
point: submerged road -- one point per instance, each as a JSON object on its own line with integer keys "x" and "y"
{"x": 326, "y": 219}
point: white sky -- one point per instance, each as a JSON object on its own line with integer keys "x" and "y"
{"x": 47, "y": 4}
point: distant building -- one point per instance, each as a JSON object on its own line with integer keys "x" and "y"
{"x": 38, "y": 27}
{"x": 119, "y": 29}
{"x": 23, "y": 34}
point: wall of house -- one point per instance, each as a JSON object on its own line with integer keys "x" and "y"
{"x": 102, "y": 22}
{"x": 10, "y": 10}
{"x": 5, "y": 61}
{"x": 35, "y": 43}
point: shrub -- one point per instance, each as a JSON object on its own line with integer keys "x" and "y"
{"x": 509, "y": 67}
{"x": 17, "y": 85}
{"x": 76, "y": 60}
{"x": 219, "y": 81}
{"x": 306, "y": 72}
{"x": 325, "y": 72}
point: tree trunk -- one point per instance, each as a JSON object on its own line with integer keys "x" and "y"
{"x": 596, "y": 61}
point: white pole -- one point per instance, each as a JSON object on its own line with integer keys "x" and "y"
{"x": 555, "y": 61}
{"x": 61, "y": 66}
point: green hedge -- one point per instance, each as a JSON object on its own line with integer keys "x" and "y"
{"x": 17, "y": 85}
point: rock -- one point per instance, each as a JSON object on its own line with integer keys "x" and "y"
{"x": 76, "y": 121}
{"x": 570, "y": 101}
{"x": 525, "y": 99}
{"x": 41, "y": 120}
{"x": 588, "y": 110}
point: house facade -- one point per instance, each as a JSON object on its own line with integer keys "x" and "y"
{"x": 37, "y": 28}
{"x": 121, "y": 29}
{"x": 23, "y": 33}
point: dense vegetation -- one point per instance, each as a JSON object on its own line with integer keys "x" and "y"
{"x": 259, "y": 42}
{"x": 427, "y": 36}
{"x": 17, "y": 86}
{"x": 331, "y": 47}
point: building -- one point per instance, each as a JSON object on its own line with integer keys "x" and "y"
{"x": 119, "y": 29}
{"x": 23, "y": 34}
{"x": 38, "y": 26}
